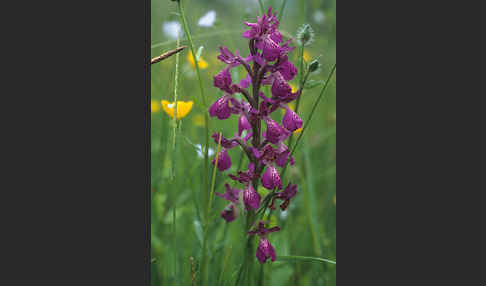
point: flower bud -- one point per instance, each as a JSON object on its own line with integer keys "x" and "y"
{"x": 314, "y": 66}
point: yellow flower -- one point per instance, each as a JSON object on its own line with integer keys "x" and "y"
{"x": 307, "y": 57}
{"x": 202, "y": 63}
{"x": 198, "y": 120}
{"x": 154, "y": 106}
{"x": 298, "y": 131}
{"x": 183, "y": 108}
{"x": 294, "y": 88}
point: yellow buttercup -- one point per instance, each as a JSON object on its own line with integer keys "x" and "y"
{"x": 183, "y": 108}
{"x": 201, "y": 62}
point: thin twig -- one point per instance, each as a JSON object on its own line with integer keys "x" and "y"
{"x": 166, "y": 55}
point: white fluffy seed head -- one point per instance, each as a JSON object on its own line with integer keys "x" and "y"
{"x": 305, "y": 35}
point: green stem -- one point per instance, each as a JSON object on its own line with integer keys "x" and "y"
{"x": 174, "y": 137}
{"x": 175, "y": 237}
{"x": 262, "y": 8}
{"x": 206, "y": 123}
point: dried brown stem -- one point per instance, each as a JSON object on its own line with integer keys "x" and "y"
{"x": 166, "y": 55}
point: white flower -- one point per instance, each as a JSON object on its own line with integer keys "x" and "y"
{"x": 319, "y": 16}
{"x": 200, "y": 151}
{"x": 208, "y": 19}
{"x": 172, "y": 29}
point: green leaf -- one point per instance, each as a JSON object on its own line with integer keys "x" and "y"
{"x": 313, "y": 83}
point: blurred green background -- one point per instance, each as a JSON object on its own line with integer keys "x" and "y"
{"x": 308, "y": 227}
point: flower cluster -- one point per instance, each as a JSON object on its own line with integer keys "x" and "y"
{"x": 267, "y": 64}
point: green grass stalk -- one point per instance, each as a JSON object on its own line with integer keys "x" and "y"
{"x": 174, "y": 140}
{"x": 206, "y": 217}
{"x": 206, "y": 124}
{"x": 304, "y": 258}
{"x": 309, "y": 198}
{"x": 262, "y": 8}
{"x": 282, "y": 9}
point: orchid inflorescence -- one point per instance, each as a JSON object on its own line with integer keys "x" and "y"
{"x": 265, "y": 150}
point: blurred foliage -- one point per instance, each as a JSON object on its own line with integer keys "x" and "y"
{"x": 309, "y": 225}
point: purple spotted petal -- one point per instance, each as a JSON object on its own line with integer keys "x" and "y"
{"x": 291, "y": 121}
{"x": 231, "y": 195}
{"x": 283, "y": 154}
{"x": 224, "y": 160}
{"x": 223, "y": 80}
{"x": 275, "y": 133}
{"x": 280, "y": 87}
{"x": 243, "y": 124}
{"x": 288, "y": 70}
{"x": 251, "y": 198}
{"x": 221, "y": 108}
{"x": 226, "y": 55}
{"x": 271, "y": 50}
{"x": 225, "y": 143}
{"x": 230, "y": 213}
{"x": 265, "y": 250}
{"x": 271, "y": 178}
{"x": 288, "y": 193}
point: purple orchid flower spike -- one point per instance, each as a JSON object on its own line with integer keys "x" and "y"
{"x": 269, "y": 54}
{"x": 251, "y": 198}
{"x": 265, "y": 249}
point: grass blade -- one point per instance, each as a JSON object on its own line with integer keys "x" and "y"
{"x": 304, "y": 258}
{"x": 262, "y": 8}
{"x": 282, "y": 9}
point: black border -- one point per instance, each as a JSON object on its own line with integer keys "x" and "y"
{"x": 147, "y": 140}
